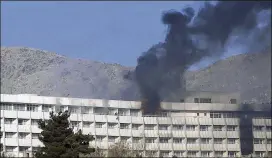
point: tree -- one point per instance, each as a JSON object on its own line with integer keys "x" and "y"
{"x": 59, "y": 140}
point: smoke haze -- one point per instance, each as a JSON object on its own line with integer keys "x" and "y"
{"x": 193, "y": 36}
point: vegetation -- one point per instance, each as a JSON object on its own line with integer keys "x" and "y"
{"x": 59, "y": 139}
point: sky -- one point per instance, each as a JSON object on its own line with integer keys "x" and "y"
{"x": 111, "y": 32}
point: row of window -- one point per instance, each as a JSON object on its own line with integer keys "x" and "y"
{"x": 209, "y": 100}
{"x": 153, "y": 153}
{"x": 98, "y": 110}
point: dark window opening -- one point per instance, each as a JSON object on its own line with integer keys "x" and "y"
{"x": 205, "y": 100}
{"x": 233, "y": 101}
{"x": 196, "y": 100}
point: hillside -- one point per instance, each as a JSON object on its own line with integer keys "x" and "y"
{"x": 26, "y": 70}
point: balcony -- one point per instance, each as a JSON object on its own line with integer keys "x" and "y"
{"x": 258, "y": 122}
{"x": 11, "y": 141}
{"x": 25, "y": 142}
{"x": 151, "y": 146}
{"x": 206, "y": 147}
{"x": 220, "y": 147}
{"x": 125, "y": 119}
{"x": 165, "y": 133}
{"x": 101, "y": 131}
{"x": 137, "y": 120}
{"x": 178, "y": 120}
{"x": 192, "y": 134}
{"x": 36, "y": 143}
{"x": 164, "y": 120}
{"x": 24, "y": 114}
{"x": 113, "y": 132}
{"x": 205, "y": 134}
{"x": 9, "y": 114}
{"x": 178, "y": 133}
{"x": 232, "y": 121}
{"x": 233, "y": 134}
{"x": 205, "y": 121}
{"x": 100, "y": 118}
{"x": 24, "y": 128}
{"x": 151, "y": 133}
{"x": 219, "y": 134}
{"x": 259, "y": 134}
{"x": 233, "y": 147}
{"x": 179, "y": 147}
{"x": 88, "y": 117}
{"x": 37, "y": 115}
{"x": 10, "y": 128}
{"x": 194, "y": 147}
{"x": 165, "y": 146}
{"x": 125, "y": 132}
{"x": 113, "y": 118}
{"x": 259, "y": 147}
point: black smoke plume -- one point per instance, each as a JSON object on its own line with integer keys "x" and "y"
{"x": 191, "y": 37}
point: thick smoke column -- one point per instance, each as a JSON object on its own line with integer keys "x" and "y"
{"x": 191, "y": 37}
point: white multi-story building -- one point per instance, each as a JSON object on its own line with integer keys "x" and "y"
{"x": 204, "y": 125}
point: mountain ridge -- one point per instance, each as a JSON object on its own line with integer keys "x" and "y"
{"x": 46, "y": 73}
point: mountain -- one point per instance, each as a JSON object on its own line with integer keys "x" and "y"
{"x": 27, "y": 70}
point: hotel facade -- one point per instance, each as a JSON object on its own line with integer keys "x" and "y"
{"x": 204, "y": 124}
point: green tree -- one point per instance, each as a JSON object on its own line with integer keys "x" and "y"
{"x": 59, "y": 140}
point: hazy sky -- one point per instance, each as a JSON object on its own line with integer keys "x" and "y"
{"x": 115, "y": 32}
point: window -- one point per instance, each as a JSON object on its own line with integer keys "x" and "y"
{"x": 163, "y": 127}
{"x": 231, "y": 128}
{"x": 136, "y": 126}
{"x": 122, "y": 112}
{"x": 35, "y": 122}
{"x": 165, "y": 153}
{"x": 124, "y": 126}
{"x": 111, "y": 139}
{"x": 233, "y": 101}
{"x": 33, "y": 108}
{"x": 218, "y": 140}
{"x": 136, "y": 139}
{"x": 217, "y": 128}
{"x": 86, "y": 124}
{"x": 269, "y": 141}
{"x": 218, "y": 153}
{"x": 151, "y": 153}
{"x": 124, "y": 139}
{"x": 9, "y": 120}
{"x": 35, "y": 135}
{"x": 22, "y": 122}
{"x": 98, "y": 125}
{"x": 177, "y": 127}
{"x": 149, "y": 127}
{"x": 258, "y": 128}
{"x": 35, "y": 149}
{"x": 191, "y": 140}
{"x": 191, "y": 153}
{"x": 215, "y": 115}
{"x": 164, "y": 140}
{"x": 85, "y": 110}
{"x": 260, "y": 153}
{"x": 205, "y": 153}
{"x": 177, "y": 140}
{"x": 190, "y": 127}
{"x": 268, "y": 128}
{"x": 23, "y": 148}
{"x": 112, "y": 125}
{"x": 231, "y": 141}
{"x": 258, "y": 141}
{"x": 46, "y": 108}
{"x": 23, "y": 135}
{"x": 196, "y": 100}
{"x": 6, "y": 106}
{"x": 10, "y": 148}
{"x": 19, "y": 107}
{"x": 74, "y": 123}
{"x": 204, "y": 127}
{"x": 178, "y": 153}
{"x": 231, "y": 154}
{"x": 229, "y": 115}
{"x": 134, "y": 112}
{"x": 205, "y": 140}
{"x": 205, "y": 100}
{"x": 99, "y": 138}
{"x": 74, "y": 110}
{"x": 149, "y": 140}
{"x": 9, "y": 134}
